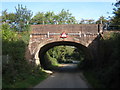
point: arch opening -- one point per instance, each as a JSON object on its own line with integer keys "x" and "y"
{"x": 43, "y": 50}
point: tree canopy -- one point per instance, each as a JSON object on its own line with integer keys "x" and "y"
{"x": 64, "y": 17}
{"x": 116, "y": 12}
{"x": 87, "y": 21}
{"x": 102, "y": 20}
{"x": 22, "y": 18}
{"x": 19, "y": 20}
{"x": 65, "y": 54}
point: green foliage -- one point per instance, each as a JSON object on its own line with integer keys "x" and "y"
{"x": 49, "y": 62}
{"x": 52, "y": 60}
{"x": 39, "y": 18}
{"x": 78, "y": 54}
{"x": 31, "y": 80}
{"x": 87, "y": 21}
{"x": 7, "y": 34}
{"x": 4, "y": 16}
{"x": 18, "y": 21}
{"x": 49, "y": 17}
{"x": 106, "y": 68}
{"x": 112, "y": 68}
{"x": 26, "y": 80}
{"x": 62, "y": 54}
{"x": 64, "y": 17}
{"x": 102, "y": 20}
{"x": 92, "y": 79}
{"x": 16, "y": 70}
{"x": 116, "y": 12}
{"x": 23, "y": 16}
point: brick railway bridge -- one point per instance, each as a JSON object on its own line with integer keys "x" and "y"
{"x": 44, "y": 37}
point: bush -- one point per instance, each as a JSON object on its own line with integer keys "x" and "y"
{"x": 107, "y": 69}
{"x": 49, "y": 61}
{"x": 15, "y": 68}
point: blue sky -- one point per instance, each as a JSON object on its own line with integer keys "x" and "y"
{"x": 85, "y": 10}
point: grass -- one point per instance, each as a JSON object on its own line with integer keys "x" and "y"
{"x": 29, "y": 82}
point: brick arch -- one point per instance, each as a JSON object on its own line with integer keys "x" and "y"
{"x": 45, "y": 47}
{"x": 37, "y": 45}
{"x": 44, "y": 34}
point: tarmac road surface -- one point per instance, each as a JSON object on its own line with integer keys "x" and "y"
{"x": 68, "y": 76}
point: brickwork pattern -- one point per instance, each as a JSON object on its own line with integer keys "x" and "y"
{"x": 44, "y": 34}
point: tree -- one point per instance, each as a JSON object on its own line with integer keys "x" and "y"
{"x": 7, "y": 33}
{"x": 87, "y": 21}
{"x": 39, "y": 18}
{"x": 116, "y": 12}
{"x": 44, "y": 18}
{"x": 72, "y": 20}
{"x": 90, "y": 21}
{"x": 102, "y": 20}
{"x": 64, "y": 17}
{"x": 23, "y": 16}
{"x": 19, "y": 20}
{"x": 62, "y": 53}
{"x": 82, "y": 21}
{"x": 4, "y": 16}
{"x": 49, "y": 17}
{"x": 56, "y": 19}
{"x": 9, "y": 18}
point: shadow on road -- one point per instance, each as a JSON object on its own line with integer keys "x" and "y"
{"x": 67, "y": 68}
{"x": 65, "y": 76}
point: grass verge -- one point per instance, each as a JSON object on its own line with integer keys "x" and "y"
{"x": 29, "y": 82}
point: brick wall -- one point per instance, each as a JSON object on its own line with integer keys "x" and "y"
{"x": 69, "y": 28}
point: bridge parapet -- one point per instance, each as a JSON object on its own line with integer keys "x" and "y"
{"x": 44, "y": 34}
{"x": 68, "y": 28}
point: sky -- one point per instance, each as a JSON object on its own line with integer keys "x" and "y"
{"x": 87, "y": 9}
